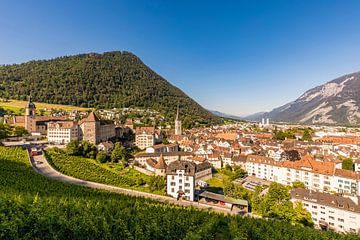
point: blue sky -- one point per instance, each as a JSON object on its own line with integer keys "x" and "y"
{"x": 237, "y": 57}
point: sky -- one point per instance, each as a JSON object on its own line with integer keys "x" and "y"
{"x": 237, "y": 57}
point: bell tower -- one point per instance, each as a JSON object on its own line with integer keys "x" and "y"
{"x": 30, "y": 114}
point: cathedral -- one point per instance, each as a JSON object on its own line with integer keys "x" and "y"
{"x": 31, "y": 122}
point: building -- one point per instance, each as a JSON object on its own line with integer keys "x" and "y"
{"x": 163, "y": 148}
{"x": 147, "y": 136}
{"x": 94, "y": 130}
{"x": 316, "y": 175}
{"x": 182, "y": 176}
{"x": 31, "y": 122}
{"x": 178, "y": 130}
{"x": 157, "y": 167}
{"x": 62, "y": 132}
{"x": 330, "y": 211}
{"x": 142, "y": 157}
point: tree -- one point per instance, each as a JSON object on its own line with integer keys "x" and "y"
{"x": 118, "y": 154}
{"x": 306, "y": 135}
{"x": 348, "y": 164}
{"x": 298, "y": 184}
{"x": 101, "y": 157}
{"x": 73, "y": 148}
{"x": 301, "y": 216}
{"x": 156, "y": 183}
{"x": 19, "y": 131}
{"x": 88, "y": 149}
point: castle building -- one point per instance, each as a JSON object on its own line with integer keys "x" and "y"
{"x": 94, "y": 130}
{"x": 178, "y": 130}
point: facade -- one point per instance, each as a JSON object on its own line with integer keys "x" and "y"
{"x": 145, "y": 137}
{"x": 157, "y": 167}
{"x": 142, "y": 157}
{"x": 94, "y": 130}
{"x": 182, "y": 176}
{"x": 316, "y": 175}
{"x": 330, "y": 211}
{"x": 162, "y": 148}
{"x": 62, "y": 132}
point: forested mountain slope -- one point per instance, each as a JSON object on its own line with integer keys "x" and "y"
{"x": 108, "y": 80}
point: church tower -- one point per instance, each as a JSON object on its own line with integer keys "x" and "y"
{"x": 177, "y": 123}
{"x": 30, "y": 115}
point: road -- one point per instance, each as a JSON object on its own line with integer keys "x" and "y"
{"x": 41, "y": 166}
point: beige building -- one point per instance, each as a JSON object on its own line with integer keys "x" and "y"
{"x": 94, "y": 130}
{"x": 62, "y": 132}
{"x": 144, "y": 137}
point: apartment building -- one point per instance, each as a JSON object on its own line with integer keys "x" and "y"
{"x": 329, "y": 211}
{"x": 316, "y": 175}
{"x": 62, "y": 132}
{"x": 182, "y": 176}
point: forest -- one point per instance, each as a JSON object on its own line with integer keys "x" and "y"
{"x": 109, "y": 80}
{"x": 35, "y": 207}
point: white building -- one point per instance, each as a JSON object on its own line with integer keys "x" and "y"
{"x": 62, "y": 132}
{"x": 330, "y": 211}
{"x": 182, "y": 176}
{"x": 316, "y": 175}
{"x": 144, "y": 137}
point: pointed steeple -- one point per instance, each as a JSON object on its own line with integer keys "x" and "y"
{"x": 177, "y": 123}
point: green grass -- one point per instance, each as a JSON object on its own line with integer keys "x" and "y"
{"x": 89, "y": 169}
{"x": 18, "y": 107}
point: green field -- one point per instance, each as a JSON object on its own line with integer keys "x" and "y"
{"x": 18, "y": 106}
{"x": 35, "y": 207}
{"x": 89, "y": 169}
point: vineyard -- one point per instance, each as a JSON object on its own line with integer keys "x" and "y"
{"x": 35, "y": 207}
{"x": 90, "y": 170}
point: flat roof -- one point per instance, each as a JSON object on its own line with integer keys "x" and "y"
{"x": 222, "y": 198}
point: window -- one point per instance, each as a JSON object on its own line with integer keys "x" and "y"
{"x": 172, "y": 177}
{"x": 331, "y": 217}
{"x": 340, "y": 219}
{"x": 172, "y": 183}
{"x": 315, "y": 207}
{"x": 172, "y": 190}
{"x": 187, "y": 184}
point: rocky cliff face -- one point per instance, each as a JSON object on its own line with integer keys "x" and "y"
{"x": 336, "y": 102}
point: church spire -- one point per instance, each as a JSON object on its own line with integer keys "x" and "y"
{"x": 178, "y": 130}
{"x": 177, "y": 113}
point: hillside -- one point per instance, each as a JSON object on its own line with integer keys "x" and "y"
{"x": 35, "y": 207}
{"x": 108, "y": 80}
{"x": 335, "y": 102}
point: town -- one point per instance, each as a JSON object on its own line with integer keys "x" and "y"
{"x": 221, "y": 166}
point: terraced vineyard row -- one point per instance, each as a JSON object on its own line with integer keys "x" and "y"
{"x": 35, "y": 207}
{"x": 88, "y": 169}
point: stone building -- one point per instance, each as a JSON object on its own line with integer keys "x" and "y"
{"x": 94, "y": 130}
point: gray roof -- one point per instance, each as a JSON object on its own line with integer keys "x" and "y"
{"x": 222, "y": 198}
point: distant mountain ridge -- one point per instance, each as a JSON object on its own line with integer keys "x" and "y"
{"x": 225, "y": 115}
{"x": 335, "y": 102}
{"x": 108, "y": 80}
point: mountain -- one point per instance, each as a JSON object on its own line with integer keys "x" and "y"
{"x": 225, "y": 115}
{"x": 336, "y": 102}
{"x": 254, "y": 116}
{"x": 108, "y": 80}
